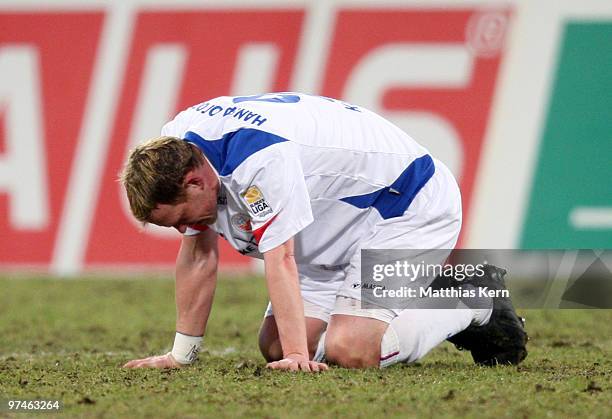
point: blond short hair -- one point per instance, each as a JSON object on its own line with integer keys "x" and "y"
{"x": 154, "y": 174}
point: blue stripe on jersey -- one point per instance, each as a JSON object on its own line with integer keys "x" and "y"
{"x": 228, "y": 152}
{"x": 392, "y": 201}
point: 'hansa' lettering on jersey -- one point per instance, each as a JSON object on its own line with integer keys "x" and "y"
{"x": 210, "y": 109}
{"x": 256, "y": 202}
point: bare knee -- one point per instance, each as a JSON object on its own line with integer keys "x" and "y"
{"x": 271, "y": 351}
{"x": 345, "y": 351}
{"x": 269, "y": 342}
{"x": 354, "y": 342}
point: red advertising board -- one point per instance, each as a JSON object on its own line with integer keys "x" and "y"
{"x": 63, "y": 48}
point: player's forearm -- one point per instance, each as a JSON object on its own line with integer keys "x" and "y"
{"x": 285, "y": 295}
{"x": 194, "y": 296}
{"x": 196, "y": 278}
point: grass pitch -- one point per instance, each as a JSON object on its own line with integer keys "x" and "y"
{"x": 66, "y": 339}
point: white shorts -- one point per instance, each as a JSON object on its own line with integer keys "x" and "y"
{"x": 433, "y": 221}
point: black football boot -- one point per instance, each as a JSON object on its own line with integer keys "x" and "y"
{"x": 503, "y": 339}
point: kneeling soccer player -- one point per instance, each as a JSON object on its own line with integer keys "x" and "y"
{"x": 305, "y": 183}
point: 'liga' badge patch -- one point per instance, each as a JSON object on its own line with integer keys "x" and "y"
{"x": 256, "y": 202}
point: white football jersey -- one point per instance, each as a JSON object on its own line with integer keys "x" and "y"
{"x": 293, "y": 165}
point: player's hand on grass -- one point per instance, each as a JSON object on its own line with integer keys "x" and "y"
{"x": 294, "y": 362}
{"x": 158, "y": 361}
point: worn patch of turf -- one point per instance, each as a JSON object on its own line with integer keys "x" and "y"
{"x": 66, "y": 339}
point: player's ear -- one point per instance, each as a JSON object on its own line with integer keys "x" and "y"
{"x": 193, "y": 178}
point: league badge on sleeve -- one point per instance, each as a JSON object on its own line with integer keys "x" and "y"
{"x": 256, "y": 202}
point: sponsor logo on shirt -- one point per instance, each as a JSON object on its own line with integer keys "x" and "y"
{"x": 256, "y": 202}
{"x": 246, "y": 247}
{"x": 241, "y": 222}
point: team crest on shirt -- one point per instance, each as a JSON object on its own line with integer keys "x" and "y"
{"x": 256, "y": 202}
{"x": 241, "y": 222}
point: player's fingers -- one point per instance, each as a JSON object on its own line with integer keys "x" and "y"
{"x": 314, "y": 367}
{"x": 294, "y": 366}
{"x": 273, "y": 365}
{"x": 151, "y": 362}
{"x": 288, "y": 365}
{"x": 157, "y": 363}
{"x": 278, "y": 365}
{"x": 304, "y": 366}
{"x": 128, "y": 364}
{"x": 160, "y": 361}
{"x": 133, "y": 363}
{"x": 322, "y": 366}
{"x": 143, "y": 363}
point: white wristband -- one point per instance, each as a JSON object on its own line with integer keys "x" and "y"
{"x": 186, "y": 348}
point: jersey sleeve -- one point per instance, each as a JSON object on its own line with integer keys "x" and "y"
{"x": 272, "y": 190}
